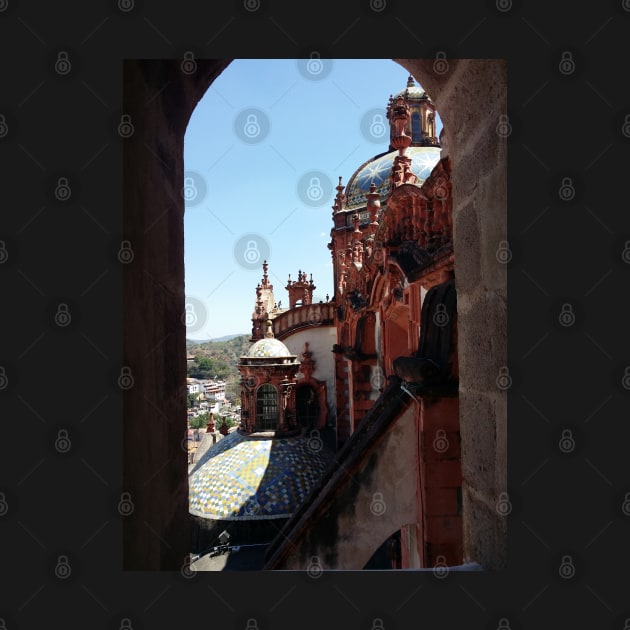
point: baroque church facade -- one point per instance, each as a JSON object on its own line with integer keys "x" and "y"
{"x": 354, "y": 447}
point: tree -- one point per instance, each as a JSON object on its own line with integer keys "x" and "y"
{"x": 200, "y": 421}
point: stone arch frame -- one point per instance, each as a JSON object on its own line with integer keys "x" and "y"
{"x": 160, "y": 98}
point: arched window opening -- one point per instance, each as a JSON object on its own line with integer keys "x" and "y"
{"x": 416, "y": 127}
{"x": 266, "y": 408}
{"x": 307, "y": 406}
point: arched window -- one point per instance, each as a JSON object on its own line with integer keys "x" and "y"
{"x": 416, "y": 127}
{"x": 307, "y": 406}
{"x": 266, "y": 408}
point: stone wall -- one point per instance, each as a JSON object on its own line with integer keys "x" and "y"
{"x": 470, "y": 97}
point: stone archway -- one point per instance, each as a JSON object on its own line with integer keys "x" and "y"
{"x": 160, "y": 97}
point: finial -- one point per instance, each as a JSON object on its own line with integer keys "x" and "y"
{"x": 410, "y": 82}
{"x": 269, "y": 332}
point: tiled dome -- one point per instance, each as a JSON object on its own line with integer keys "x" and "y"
{"x": 268, "y": 347}
{"x": 242, "y": 478}
{"x": 379, "y": 168}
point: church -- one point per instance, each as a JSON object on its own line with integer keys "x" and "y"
{"x": 375, "y": 387}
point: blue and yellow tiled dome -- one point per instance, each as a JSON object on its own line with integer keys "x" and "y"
{"x": 378, "y": 169}
{"x": 243, "y": 478}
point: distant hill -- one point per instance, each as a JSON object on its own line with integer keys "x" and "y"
{"x": 217, "y": 358}
{"x": 196, "y": 342}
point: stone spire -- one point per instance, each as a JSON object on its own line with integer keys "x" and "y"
{"x": 264, "y": 305}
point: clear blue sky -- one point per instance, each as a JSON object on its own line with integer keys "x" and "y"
{"x": 263, "y": 152}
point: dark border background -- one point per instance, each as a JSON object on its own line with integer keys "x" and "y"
{"x": 565, "y": 252}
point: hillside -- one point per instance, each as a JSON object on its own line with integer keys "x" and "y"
{"x": 217, "y": 359}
